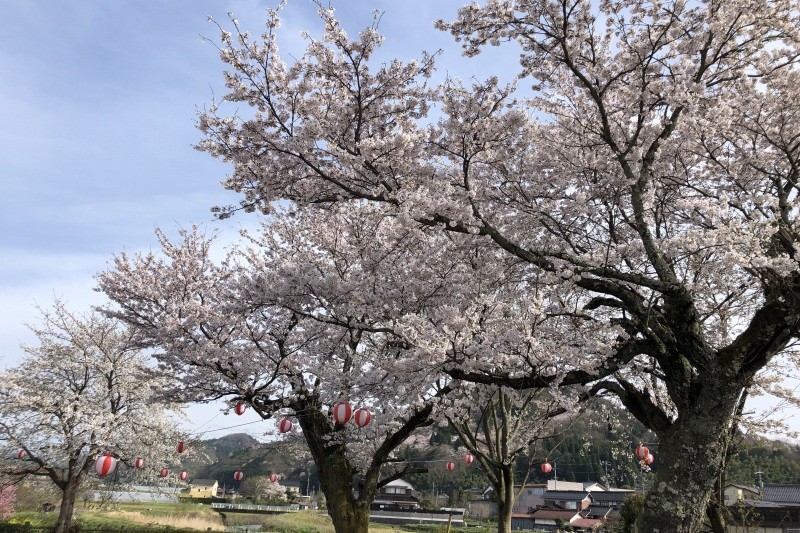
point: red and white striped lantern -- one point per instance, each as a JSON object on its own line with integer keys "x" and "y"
{"x": 164, "y": 472}
{"x": 451, "y": 466}
{"x": 641, "y": 452}
{"x": 546, "y": 468}
{"x": 183, "y": 475}
{"x": 468, "y": 458}
{"x": 342, "y": 412}
{"x": 105, "y": 465}
{"x": 238, "y": 475}
{"x": 22, "y": 454}
{"x": 362, "y": 417}
{"x": 273, "y": 477}
{"x": 240, "y": 408}
{"x": 181, "y": 447}
{"x": 648, "y": 459}
{"x": 285, "y": 425}
{"x": 138, "y": 463}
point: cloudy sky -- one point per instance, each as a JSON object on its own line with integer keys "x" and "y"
{"x": 98, "y": 102}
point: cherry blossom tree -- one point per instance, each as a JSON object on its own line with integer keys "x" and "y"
{"x": 83, "y": 390}
{"x": 282, "y": 325}
{"x": 319, "y": 308}
{"x": 651, "y": 177}
{"x": 500, "y": 426}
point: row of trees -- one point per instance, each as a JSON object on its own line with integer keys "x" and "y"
{"x": 631, "y": 226}
{"x": 453, "y": 252}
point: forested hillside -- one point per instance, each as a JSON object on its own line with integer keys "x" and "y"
{"x": 584, "y": 452}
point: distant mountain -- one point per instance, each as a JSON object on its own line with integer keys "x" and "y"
{"x": 219, "y": 458}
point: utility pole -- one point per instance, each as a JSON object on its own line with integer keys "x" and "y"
{"x": 606, "y": 464}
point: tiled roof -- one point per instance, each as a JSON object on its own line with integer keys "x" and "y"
{"x": 781, "y": 493}
{"x": 594, "y": 511}
{"x": 552, "y": 514}
{"x": 608, "y": 496}
{"x": 586, "y": 522}
{"x": 575, "y": 495}
{"x": 745, "y": 487}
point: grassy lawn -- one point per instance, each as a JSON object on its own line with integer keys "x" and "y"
{"x": 187, "y": 517}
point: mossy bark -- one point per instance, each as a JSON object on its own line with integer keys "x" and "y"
{"x": 690, "y": 454}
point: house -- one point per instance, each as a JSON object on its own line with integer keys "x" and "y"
{"x": 567, "y": 499}
{"x": 397, "y": 494}
{"x": 529, "y": 498}
{"x": 735, "y": 493}
{"x": 774, "y": 508}
{"x": 552, "y": 519}
{"x": 201, "y": 488}
{"x": 291, "y": 486}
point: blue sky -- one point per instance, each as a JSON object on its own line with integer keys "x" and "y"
{"x": 98, "y": 101}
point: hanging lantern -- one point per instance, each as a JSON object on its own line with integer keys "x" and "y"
{"x": 648, "y": 459}
{"x": 22, "y": 454}
{"x": 183, "y": 475}
{"x": 546, "y": 468}
{"x": 105, "y": 465}
{"x": 451, "y": 466}
{"x": 238, "y": 475}
{"x": 181, "y": 447}
{"x": 468, "y": 458}
{"x": 164, "y": 472}
{"x": 240, "y": 408}
{"x": 362, "y": 416}
{"x": 273, "y": 477}
{"x": 342, "y": 412}
{"x": 285, "y": 425}
{"x": 138, "y": 463}
{"x": 641, "y": 451}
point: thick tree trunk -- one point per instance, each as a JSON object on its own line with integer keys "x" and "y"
{"x": 349, "y": 514}
{"x": 690, "y": 454}
{"x": 68, "y": 497}
{"x": 505, "y": 499}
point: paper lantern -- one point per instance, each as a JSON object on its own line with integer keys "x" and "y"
{"x": 164, "y": 472}
{"x": 22, "y": 454}
{"x": 362, "y": 417}
{"x": 105, "y": 465}
{"x": 342, "y": 412}
{"x": 648, "y": 459}
{"x": 468, "y": 458}
{"x": 641, "y": 451}
{"x": 183, "y": 475}
{"x": 546, "y": 468}
{"x": 181, "y": 447}
{"x": 285, "y": 425}
{"x": 240, "y": 408}
{"x": 273, "y": 477}
{"x": 451, "y": 466}
{"x": 238, "y": 475}
{"x": 138, "y": 463}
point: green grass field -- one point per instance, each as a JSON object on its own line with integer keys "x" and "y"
{"x": 187, "y": 517}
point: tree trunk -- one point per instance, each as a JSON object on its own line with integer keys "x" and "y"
{"x": 690, "y": 454}
{"x": 716, "y": 507}
{"x": 505, "y": 499}
{"x": 335, "y": 473}
{"x": 68, "y": 495}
